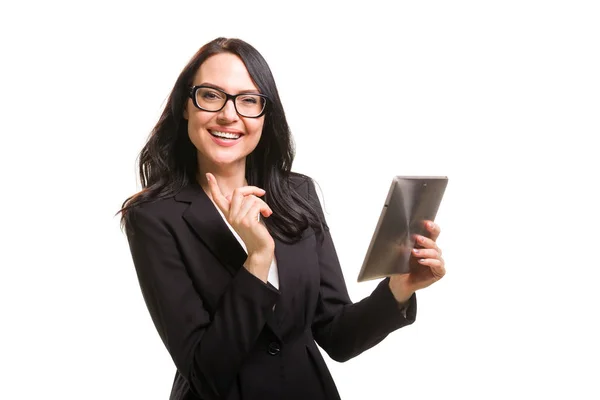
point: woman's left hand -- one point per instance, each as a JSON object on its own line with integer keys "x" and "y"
{"x": 427, "y": 266}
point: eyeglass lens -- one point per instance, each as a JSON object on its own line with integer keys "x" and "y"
{"x": 249, "y": 105}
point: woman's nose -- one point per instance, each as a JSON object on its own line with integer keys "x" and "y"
{"x": 228, "y": 112}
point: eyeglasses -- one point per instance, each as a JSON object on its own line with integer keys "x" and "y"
{"x": 249, "y": 105}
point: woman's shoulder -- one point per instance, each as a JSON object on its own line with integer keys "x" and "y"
{"x": 164, "y": 211}
{"x": 157, "y": 207}
{"x": 301, "y": 183}
{"x": 306, "y": 186}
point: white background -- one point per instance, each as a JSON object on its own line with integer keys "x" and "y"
{"x": 501, "y": 96}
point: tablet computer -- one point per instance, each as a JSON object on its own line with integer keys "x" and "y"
{"x": 411, "y": 200}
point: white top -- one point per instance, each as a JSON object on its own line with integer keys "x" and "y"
{"x": 273, "y": 278}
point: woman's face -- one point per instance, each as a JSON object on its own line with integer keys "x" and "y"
{"x": 223, "y": 138}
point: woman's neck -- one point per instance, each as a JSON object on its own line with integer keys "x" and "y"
{"x": 228, "y": 178}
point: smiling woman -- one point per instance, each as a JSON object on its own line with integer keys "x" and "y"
{"x": 240, "y": 301}
{"x": 223, "y": 137}
{"x": 197, "y": 134}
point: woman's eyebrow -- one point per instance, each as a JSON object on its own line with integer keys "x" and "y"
{"x": 212, "y": 85}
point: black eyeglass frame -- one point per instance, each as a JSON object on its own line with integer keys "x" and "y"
{"x": 232, "y": 97}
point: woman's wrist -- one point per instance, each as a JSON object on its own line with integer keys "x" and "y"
{"x": 258, "y": 264}
{"x": 402, "y": 297}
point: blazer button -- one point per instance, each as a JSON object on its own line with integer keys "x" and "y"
{"x": 274, "y": 348}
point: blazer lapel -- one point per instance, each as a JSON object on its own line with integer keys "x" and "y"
{"x": 203, "y": 217}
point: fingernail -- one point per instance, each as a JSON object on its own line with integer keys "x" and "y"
{"x": 207, "y": 177}
{"x": 422, "y": 260}
{"x": 416, "y": 251}
{"x": 431, "y": 225}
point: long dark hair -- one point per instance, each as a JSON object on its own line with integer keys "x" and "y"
{"x": 168, "y": 161}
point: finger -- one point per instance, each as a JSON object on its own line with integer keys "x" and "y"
{"x": 236, "y": 200}
{"x": 427, "y": 243}
{"x": 437, "y": 266}
{"x": 238, "y": 195}
{"x": 246, "y": 203}
{"x": 248, "y": 190}
{"x": 265, "y": 210}
{"x": 433, "y": 229}
{"x": 251, "y": 216}
{"x": 427, "y": 253}
{"x": 217, "y": 196}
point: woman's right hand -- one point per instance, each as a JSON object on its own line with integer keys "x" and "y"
{"x": 242, "y": 212}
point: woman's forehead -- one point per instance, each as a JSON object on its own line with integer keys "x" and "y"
{"x": 225, "y": 70}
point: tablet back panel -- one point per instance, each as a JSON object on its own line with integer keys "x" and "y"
{"x": 410, "y": 201}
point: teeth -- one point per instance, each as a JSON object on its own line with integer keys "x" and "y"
{"x": 226, "y": 135}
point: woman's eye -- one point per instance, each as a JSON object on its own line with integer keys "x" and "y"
{"x": 250, "y": 99}
{"x": 211, "y": 95}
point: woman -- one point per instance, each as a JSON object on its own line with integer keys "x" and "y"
{"x": 232, "y": 251}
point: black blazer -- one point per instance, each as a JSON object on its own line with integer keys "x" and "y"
{"x": 218, "y": 321}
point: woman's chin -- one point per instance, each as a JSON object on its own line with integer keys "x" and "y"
{"x": 228, "y": 161}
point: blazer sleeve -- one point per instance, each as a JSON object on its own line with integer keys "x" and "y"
{"x": 342, "y": 328}
{"x": 207, "y": 352}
